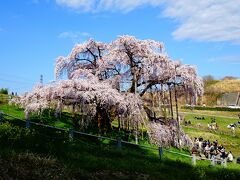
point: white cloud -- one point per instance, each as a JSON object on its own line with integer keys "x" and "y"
{"x": 106, "y": 5}
{"x": 85, "y": 5}
{"x": 40, "y": 1}
{"x": 75, "y": 36}
{"x": 125, "y": 5}
{"x": 233, "y": 59}
{"x": 206, "y": 20}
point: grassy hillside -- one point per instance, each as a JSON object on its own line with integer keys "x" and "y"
{"x": 224, "y": 86}
{"x": 39, "y": 153}
{"x": 214, "y": 89}
{"x": 230, "y": 140}
{"x": 32, "y": 155}
{"x": 3, "y": 98}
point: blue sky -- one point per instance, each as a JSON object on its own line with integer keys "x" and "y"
{"x": 33, "y": 33}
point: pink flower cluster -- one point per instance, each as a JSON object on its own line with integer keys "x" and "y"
{"x": 128, "y": 60}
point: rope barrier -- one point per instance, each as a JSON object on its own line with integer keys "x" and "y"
{"x": 11, "y": 116}
{"x": 178, "y": 153}
{"x": 52, "y": 137}
{"x": 48, "y": 126}
{"x": 91, "y": 135}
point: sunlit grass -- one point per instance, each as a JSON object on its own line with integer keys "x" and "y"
{"x": 82, "y": 158}
{"x": 229, "y": 141}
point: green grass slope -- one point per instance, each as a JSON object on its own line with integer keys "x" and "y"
{"x": 31, "y": 154}
{"x": 42, "y": 154}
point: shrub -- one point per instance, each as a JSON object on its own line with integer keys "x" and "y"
{"x": 3, "y": 91}
{"x": 14, "y": 136}
{"x": 211, "y": 108}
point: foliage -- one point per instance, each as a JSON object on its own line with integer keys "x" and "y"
{"x": 88, "y": 159}
{"x": 229, "y": 78}
{"x": 212, "y": 108}
{"x": 12, "y": 135}
{"x": 90, "y": 97}
{"x": 3, "y": 98}
{"x": 4, "y": 91}
{"x": 209, "y": 80}
{"x": 210, "y": 97}
{"x": 163, "y": 135}
{"x": 140, "y": 63}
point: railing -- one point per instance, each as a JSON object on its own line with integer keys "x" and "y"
{"x": 119, "y": 141}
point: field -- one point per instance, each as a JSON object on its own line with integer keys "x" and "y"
{"x": 101, "y": 159}
{"x": 33, "y": 154}
{"x": 199, "y": 128}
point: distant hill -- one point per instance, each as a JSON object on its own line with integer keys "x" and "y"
{"x": 224, "y": 86}
{"x": 222, "y": 92}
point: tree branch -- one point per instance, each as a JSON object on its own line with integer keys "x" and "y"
{"x": 78, "y": 59}
{"x": 147, "y": 87}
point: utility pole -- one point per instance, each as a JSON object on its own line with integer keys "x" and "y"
{"x": 41, "y": 79}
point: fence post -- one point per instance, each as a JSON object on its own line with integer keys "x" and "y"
{"x": 194, "y": 159}
{"x": 224, "y": 163}
{"x": 119, "y": 142}
{"x": 1, "y": 115}
{"x": 70, "y": 135}
{"x": 213, "y": 160}
{"x": 160, "y": 150}
{"x": 27, "y": 123}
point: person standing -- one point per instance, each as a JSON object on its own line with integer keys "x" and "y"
{"x": 230, "y": 157}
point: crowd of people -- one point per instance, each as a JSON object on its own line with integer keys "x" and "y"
{"x": 207, "y": 149}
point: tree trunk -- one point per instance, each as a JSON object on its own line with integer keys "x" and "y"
{"x": 103, "y": 120}
{"x": 123, "y": 123}
{"x": 186, "y": 95}
{"x": 75, "y": 122}
{"x": 134, "y": 83}
{"x": 163, "y": 101}
{"x": 170, "y": 94}
{"x": 178, "y": 122}
{"x": 119, "y": 122}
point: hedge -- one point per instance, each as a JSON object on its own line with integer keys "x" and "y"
{"x": 212, "y": 108}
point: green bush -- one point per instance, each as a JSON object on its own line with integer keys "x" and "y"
{"x": 3, "y": 91}
{"x": 212, "y": 108}
{"x": 14, "y": 135}
{"x": 41, "y": 140}
{"x": 8, "y": 131}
